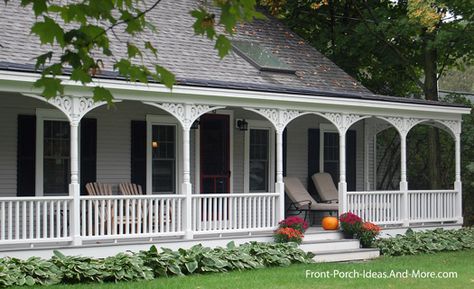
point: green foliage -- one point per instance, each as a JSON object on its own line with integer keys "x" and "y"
{"x": 77, "y": 269}
{"x": 33, "y": 271}
{"x": 126, "y": 267}
{"x": 427, "y": 242}
{"x": 147, "y": 265}
{"x": 383, "y": 43}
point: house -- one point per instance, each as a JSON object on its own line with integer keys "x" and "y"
{"x": 210, "y": 155}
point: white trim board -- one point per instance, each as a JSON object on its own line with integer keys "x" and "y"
{"x": 42, "y": 115}
{"x": 260, "y": 124}
{"x": 163, "y": 120}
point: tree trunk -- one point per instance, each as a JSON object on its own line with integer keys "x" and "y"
{"x": 431, "y": 93}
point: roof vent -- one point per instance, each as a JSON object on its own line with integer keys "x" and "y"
{"x": 259, "y": 57}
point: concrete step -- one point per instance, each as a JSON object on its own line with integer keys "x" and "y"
{"x": 346, "y": 255}
{"x": 329, "y": 245}
{"x": 313, "y": 235}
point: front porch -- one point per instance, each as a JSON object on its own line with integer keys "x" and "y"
{"x": 226, "y": 181}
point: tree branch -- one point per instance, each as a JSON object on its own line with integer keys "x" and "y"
{"x": 400, "y": 55}
{"x": 111, "y": 27}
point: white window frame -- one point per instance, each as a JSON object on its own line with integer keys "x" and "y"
{"x": 324, "y": 128}
{"x": 162, "y": 120}
{"x": 197, "y": 152}
{"x": 260, "y": 124}
{"x": 42, "y": 115}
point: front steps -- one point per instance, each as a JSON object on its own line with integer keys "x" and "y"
{"x": 329, "y": 246}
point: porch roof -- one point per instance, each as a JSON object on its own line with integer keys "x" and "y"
{"x": 194, "y": 60}
{"x": 233, "y": 85}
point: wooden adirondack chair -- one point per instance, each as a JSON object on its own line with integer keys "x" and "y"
{"x": 99, "y": 189}
{"x": 130, "y": 189}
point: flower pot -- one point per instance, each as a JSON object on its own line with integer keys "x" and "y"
{"x": 348, "y": 235}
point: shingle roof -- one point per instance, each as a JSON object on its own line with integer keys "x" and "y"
{"x": 193, "y": 59}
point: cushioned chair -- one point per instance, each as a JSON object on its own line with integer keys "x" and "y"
{"x": 302, "y": 201}
{"x": 325, "y": 187}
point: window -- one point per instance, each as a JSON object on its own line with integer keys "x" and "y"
{"x": 259, "y": 57}
{"x": 56, "y": 157}
{"x": 163, "y": 147}
{"x": 331, "y": 154}
{"x": 258, "y": 160}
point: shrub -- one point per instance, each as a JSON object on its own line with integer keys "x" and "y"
{"x": 427, "y": 242}
{"x": 285, "y": 235}
{"x": 351, "y": 224}
{"x": 367, "y": 234}
{"x": 294, "y": 222}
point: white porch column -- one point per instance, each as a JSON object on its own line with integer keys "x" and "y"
{"x": 403, "y": 179}
{"x": 74, "y": 187}
{"x": 186, "y": 188}
{"x": 457, "y": 182}
{"x": 367, "y": 133}
{"x": 279, "y": 185}
{"x": 342, "y": 186}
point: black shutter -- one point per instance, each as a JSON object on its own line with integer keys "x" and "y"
{"x": 26, "y": 155}
{"x": 351, "y": 152}
{"x": 313, "y": 157}
{"x": 138, "y": 153}
{"x": 88, "y": 152}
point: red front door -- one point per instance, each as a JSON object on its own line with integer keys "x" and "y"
{"x": 215, "y": 152}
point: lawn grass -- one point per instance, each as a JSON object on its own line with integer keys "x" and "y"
{"x": 461, "y": 262}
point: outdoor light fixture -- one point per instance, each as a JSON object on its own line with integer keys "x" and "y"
{"x": 242, "y": 124}
{"x": 195, "y": 124}
{"x": 154, "y": 144}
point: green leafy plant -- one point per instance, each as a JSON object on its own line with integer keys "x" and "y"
{"x": 146, "y": 265}
{"x": 77, "y": 269}
{"x": 427, "y": 242}
{"x": 32, "y": 271}
{"x": 126, "y": 267}
{"x": 367, "y": 234}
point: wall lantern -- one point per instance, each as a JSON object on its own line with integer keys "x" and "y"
{"x": 242, "y": 124}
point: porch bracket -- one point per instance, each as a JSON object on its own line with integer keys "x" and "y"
{"x": 185, "y": 113}
{"x": 279, "y": 118}
{"x": 73, "y": 107}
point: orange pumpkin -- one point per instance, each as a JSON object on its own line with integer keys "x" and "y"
{"x": 330, "y": 223}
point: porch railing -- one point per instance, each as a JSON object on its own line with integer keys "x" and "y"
{"x": 380, "y": 207}
{"x": 119, "y": 217}
{"x": 387, "y": 207}
{"x": 221, "y": 213}
{"x": 34, "y": 220}
{"x": 432, "y": 205}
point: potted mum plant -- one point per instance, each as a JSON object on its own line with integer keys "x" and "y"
{"x": 351, "y": 224}
{"x": 294, "y": 222}
{"x": 291, "y": 229}
{"x": 367, "y": 234}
